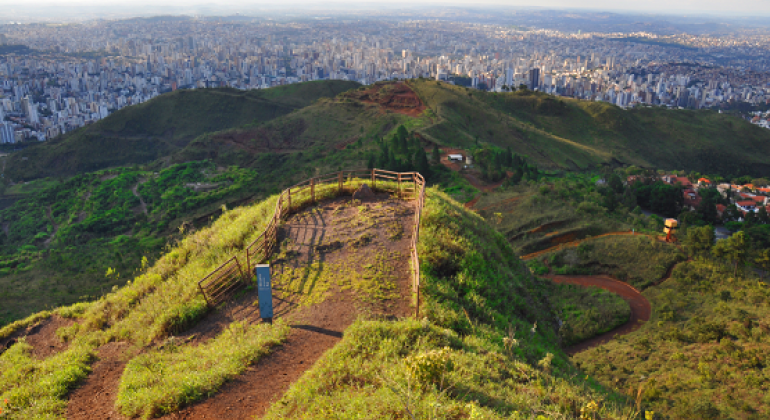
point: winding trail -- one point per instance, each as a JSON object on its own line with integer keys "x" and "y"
{"x": 640, "y": 307}
{"x": 641, "y": 310}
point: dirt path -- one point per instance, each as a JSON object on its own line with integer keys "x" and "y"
{"x": 251, "y": 393}
{"x": 42, "y": 337}
{"x": 142, "y": 204}
{"x": 95, "y": 398}
{"x": 640, "y": 307}
{"x": 343, "y": 237}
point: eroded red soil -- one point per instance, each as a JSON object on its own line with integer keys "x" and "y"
{"x": 395, "y": 97}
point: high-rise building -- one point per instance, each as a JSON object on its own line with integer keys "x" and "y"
{"x": 6, "y": 133}
{"x": 534, "y": 78}
{"x": 30, "y": 110}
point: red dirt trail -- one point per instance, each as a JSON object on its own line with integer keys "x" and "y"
{"x": 395, "y": 97}
{"x": 640, "y": 307}
{"x": 95, "y": 398}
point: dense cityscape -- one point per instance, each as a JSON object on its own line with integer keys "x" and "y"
{"x": 67, "y": 76}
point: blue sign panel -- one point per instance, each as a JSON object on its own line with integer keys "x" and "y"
{"x": 265, "y": 291}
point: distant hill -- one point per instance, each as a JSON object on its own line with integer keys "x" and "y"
{"x": 234, "y": 127}
{"x": 157, "y": 128}
{"x": 553, "y": 132}
{"x": 568, "y": 133}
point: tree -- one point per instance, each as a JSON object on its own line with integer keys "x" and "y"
{"x": 436, "y": 155}
{"x": 370, "y": 164}
{"x": 707, "y": 209}
{"x": 731, "y": 214}
{"x": 733, "y": 248}
{"x": 421, "y": 163}
{"x": 762, "y": 216}
{"x": 763, "y": 261}
{"x": 615, "y": 183}
{"x": 610, "y": 200}
{"x": 700, "y": 238}
{"x": 760, "y": 182}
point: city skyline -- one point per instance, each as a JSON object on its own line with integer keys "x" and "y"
{"x": 73, "y": 75}
{"x": 52, "y": 9}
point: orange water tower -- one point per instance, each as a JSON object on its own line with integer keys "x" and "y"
{"x": 671, "y": 225}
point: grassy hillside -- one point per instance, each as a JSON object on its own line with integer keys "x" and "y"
{"x": 704, "y": 352}
{"x": 567, "y": 133}
{"x": 60, "y": 239}
{"x": 552, "y": 132}
{"x": 486, "y": 343}
{"x": 152, "y": 130}
{"x": 486, "y": 349}
{"x": 328, "y": 128}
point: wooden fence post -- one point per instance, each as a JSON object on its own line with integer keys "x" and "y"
{"x": 339, "y": 182}
{"x": 288, "y": 195}
{"x": 399, "y": 185}
{"x": 373, "y": 178}
{"x": 248, "y": 261}
{"x": 312, "y": 190}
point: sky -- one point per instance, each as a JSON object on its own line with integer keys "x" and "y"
{"x": 46, "y": 8}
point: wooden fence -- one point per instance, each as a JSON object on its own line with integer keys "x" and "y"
{"x": 223, "y": 281}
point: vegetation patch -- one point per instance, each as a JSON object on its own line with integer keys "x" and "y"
{"x": 586, "y": 312}
{"x": 704, "y": 351}
{"x": 32, "y": 388}
{"x": 163, "y": 381}
{"x": 639, "y": 260}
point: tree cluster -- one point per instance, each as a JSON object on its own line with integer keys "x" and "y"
{"x": 494, "y": 165}
{"x": 402, "y": 152}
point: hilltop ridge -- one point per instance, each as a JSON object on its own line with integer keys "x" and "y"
{"x": 236, "y": 127}
{"x": 155, "y": 129}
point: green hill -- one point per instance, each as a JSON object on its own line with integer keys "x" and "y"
{"x": 486, "y": 348}
{"x": 552, "y": 132}
{"x": 567, "y": 133}
{"x": 237, "y": 127}
{"x": 245, "y": 145}
{"x": 155, "y": 129}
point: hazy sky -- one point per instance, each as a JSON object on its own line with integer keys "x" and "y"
{"x": 693, "y": 7}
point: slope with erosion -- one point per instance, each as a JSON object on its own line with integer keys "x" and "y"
{"x": 486, "y": 347}
{"x": 155, "y": 129}
{"x": 533, "y": 220}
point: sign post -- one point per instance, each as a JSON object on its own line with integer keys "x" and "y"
{"x": 265, "y": 292}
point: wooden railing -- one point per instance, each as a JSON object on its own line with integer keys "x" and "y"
{"x": 222, "y": 282}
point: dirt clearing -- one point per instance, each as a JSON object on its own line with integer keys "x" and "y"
{"x": 336, "y": 261}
